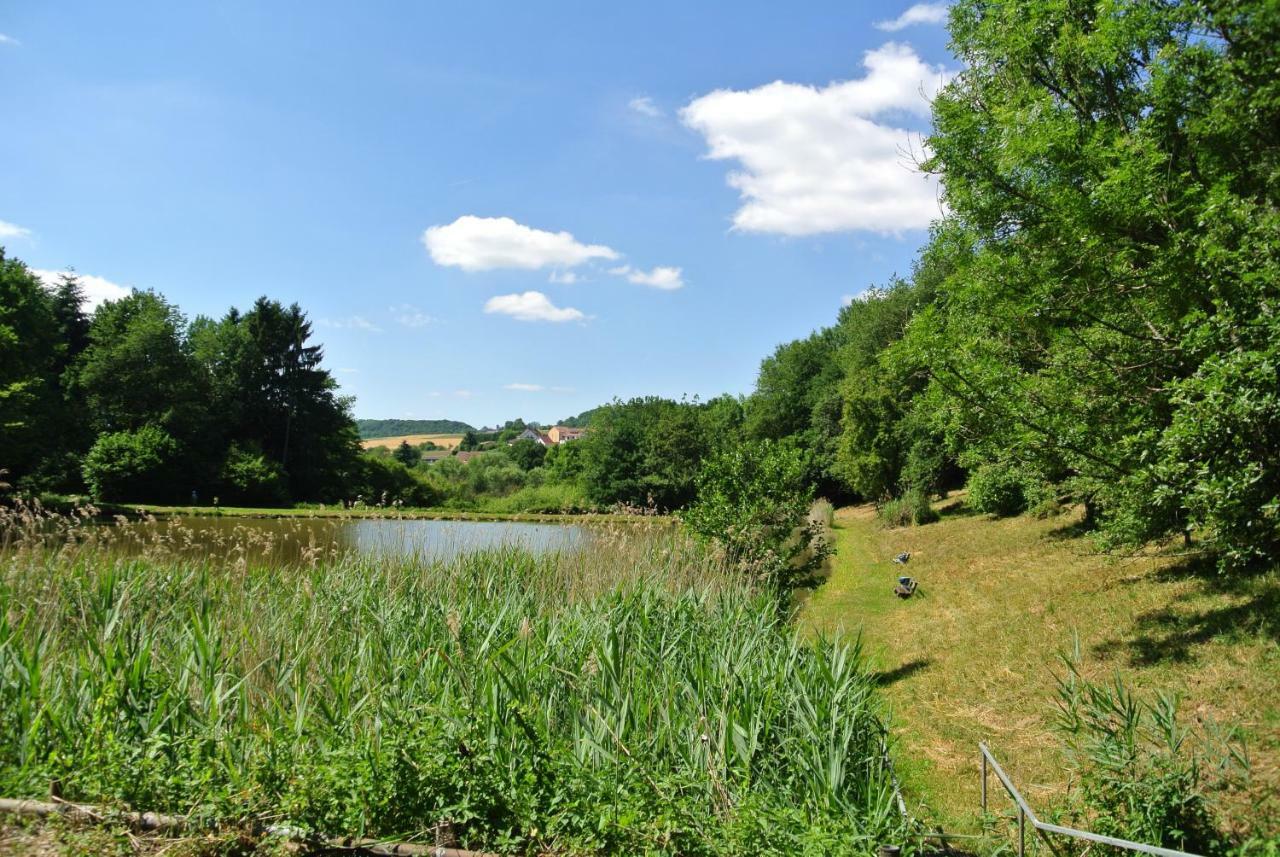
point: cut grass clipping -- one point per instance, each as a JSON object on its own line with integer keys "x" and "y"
{"x": 625, "y": 698}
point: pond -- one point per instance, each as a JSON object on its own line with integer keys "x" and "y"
{"x": 294, "y": 539}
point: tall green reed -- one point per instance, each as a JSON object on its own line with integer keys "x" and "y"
{"x": 626, "y": 697}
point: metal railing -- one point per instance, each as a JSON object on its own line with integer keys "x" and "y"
{"x": 1025, "y": 816}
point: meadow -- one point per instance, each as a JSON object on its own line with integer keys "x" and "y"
{"x": 633, "y": 698}
{"x": 977, "y": 653}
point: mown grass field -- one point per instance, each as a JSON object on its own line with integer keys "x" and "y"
{"x": 973, "y": 655}
{"x": 447, "y": 441}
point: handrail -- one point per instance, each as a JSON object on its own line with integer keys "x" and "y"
{"x": 1025, "y": 814}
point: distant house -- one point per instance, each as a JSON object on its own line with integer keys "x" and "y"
{"x": 564, "y": 434}
{"x": 535, "y": 435}
{"x": 431, "y": 456}
{"x": 464, "y": 457}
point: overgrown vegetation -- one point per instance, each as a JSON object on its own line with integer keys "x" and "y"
{"x": 630, "y": 698}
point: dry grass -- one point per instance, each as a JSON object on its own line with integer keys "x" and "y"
{"x": 447, "y": 441}
{"x": 972, "y": 656}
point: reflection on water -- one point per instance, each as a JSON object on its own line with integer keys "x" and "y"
{"x": 291, "y": 540}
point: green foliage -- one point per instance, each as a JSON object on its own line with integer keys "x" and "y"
{"x": 1142, "y": 774}
{"x": 141, "y": 464}
{"x": 406, "y": 454}
{"x": 384, "y": 481}
{"x": 753, "y": 502}
{"x": 527, "y": 454}
{"x": 911, "y": 509}
{"x": 644, "y": 452}
{"x": 997, "y": 489}
{"x": 249, "y": 478}
{"x": 469, "y": 441}
{"x": 30, "y": 349}
{"x": 370, "y": 429}
{"x": 637, "y": 702}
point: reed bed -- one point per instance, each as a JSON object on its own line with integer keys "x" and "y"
{"x": 628, "y": 697}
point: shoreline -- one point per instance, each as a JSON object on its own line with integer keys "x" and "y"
{"x": 383, "y": 513}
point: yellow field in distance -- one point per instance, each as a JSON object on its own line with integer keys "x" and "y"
{"x": 448, "y": 441}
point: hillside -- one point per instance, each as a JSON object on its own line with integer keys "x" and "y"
{"x": 972, "y": 656}
{"x": 397, "y": 428}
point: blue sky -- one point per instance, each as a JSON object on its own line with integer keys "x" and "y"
{"x": 488, "y": 210}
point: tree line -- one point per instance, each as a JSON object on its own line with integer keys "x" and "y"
{"x": 134, "y": 402}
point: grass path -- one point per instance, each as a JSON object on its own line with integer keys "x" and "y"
{"x": 971, "y": 657}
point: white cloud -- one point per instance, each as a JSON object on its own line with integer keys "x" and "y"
{"x": 463, "y": 394}
{"x": 524, "y": 388}
{"x": 644, "y": 105}
{"x": 815, "y": 159}
{"x": 13, "y": 230}
{"x": 661, "y": 277}
{"x": 97, "y": 290}
{"x": 354, "y": 322}
{"x": 485, "y": 243}
{"x": 566, "y": 278}
{"x": 921, "y": 13}
{"x": 531, "y": 306}
{"x": 9, "y": 40}
{"x": 410, "y": 316}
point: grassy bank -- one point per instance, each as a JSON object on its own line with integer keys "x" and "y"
{"x": 972, "y": 656}
{"x": 630, "y": 699}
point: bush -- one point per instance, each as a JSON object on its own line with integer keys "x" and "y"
{"x": 385, "y": 481}
{"x": 133, "y": 465}
{"x": 753, "y": 501}
{"x": 911, "y": 509}
{"x": 1142, "y": 775}
{"x": 247, "y": 476}
{"x": 997, "y": 489}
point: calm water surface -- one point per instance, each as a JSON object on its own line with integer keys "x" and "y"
{"x": 301, "y": 539}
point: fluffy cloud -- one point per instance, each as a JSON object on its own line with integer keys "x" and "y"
{"x": 97, "y": 290}
{"x": 485, "y": 243}
{"x": 644, "y": 105}
{"x": 824, "y": 159}
{"x": 13, "y": 230}
{"x": 661, "y": 277}
{"x": 531, "y": 306}
{"x": 921, "y": 13}
{"x": 566, "y": 278}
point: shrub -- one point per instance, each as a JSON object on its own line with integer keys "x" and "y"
{"x": 912, "y": 508}
{"x": 248, "y": 476}
{"x": 385, "y": 481}
{"x": 997, "y": 489}
{"x": 753, "y": 501}
{"x": 133, "y": 465}
{"x": 1141, "y": 774}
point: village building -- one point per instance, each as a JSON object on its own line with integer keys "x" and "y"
{"x": 564, "y": 434}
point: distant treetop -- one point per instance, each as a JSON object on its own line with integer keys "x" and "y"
{"x": 394, "y": 428}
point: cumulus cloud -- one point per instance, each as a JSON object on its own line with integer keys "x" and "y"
{"x": 644, "y": 105}
{"x": 354, "y": 322}
{"x": 661, "y": 277}
{"x": 921, "y": 13}
{"x": 485, "y": 243}
{"x": 531, "y": 306}
{"x": 524, "y": 388}
{"x": 820, "y": 159}
{"x": 13, "y": 230}
{"x": 566, "y": 278}
{"x": 97, "y": 290}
